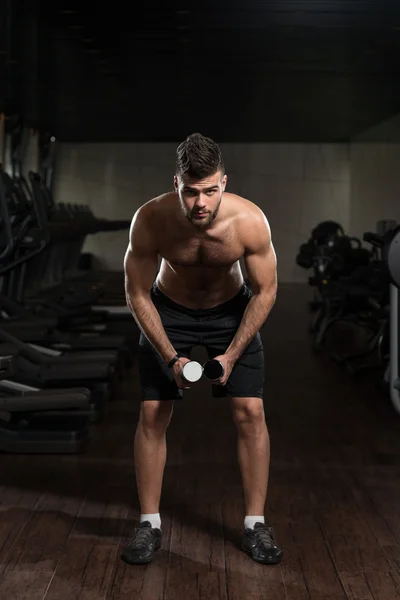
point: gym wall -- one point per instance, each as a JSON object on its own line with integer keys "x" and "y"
{"x": 375, "y": 176}
{"x": 296, "y": 185}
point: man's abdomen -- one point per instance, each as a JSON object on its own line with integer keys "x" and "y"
{"x": 200, "y": 287}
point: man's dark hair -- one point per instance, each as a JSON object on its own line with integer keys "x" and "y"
{"x": 198, "y": 157}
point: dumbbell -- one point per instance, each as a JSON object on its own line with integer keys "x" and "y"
{"x": 213, "y": 369}
{"x": 192, "y": 371}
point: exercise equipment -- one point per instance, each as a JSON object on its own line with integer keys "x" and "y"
{"x": 38, "y": 363}
{"x": 335, "y": 258}
{"x": 213, "y": 369}
{"x": 341, "y": 279}
{"x": 40, "y": 324}
{"x": 40, "y": 421}
{"x": 358, "y": 285}
{"x": 6, "y": 367}
{"x": 192, "y": 371}
{"x": 51, "y": 341}
{"x": 388, "y": 241}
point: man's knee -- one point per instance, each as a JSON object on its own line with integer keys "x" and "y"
{"x": 248, "y": 412}
{"x": 156, "y": 415}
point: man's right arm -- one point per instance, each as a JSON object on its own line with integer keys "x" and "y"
{"x": 141, "y": 267}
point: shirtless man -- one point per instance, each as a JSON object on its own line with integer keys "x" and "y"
{"x": 199, "y": 297}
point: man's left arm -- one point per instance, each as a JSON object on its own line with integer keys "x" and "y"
{"x": 260, "y": 261}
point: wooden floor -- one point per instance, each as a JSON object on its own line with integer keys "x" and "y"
{"x": 334, "y": 496}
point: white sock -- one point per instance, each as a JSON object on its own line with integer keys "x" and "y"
{"x": 249, "y": 522}
{"x": 154, "y": 519}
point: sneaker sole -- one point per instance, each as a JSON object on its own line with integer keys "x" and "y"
{"x": 143, "y": 561}
{"x": 273, "y": 561}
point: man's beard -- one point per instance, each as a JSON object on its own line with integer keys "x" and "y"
{"x": 202, "y": 223}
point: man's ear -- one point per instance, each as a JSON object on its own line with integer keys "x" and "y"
{"x": 175, "y": 183}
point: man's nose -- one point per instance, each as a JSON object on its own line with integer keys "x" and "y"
{"x": 200, "y": 201}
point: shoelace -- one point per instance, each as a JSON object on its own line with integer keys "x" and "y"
{"x": 265, "y": 536}
{"x": 140, "y": 539}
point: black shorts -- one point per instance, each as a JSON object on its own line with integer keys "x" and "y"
{"x": 212, "y": 328}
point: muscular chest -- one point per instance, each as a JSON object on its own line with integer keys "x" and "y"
{"x": 204, "y": 250}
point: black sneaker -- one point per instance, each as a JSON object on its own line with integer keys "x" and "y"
{"x": 143, "y": 546}
{"x": 259, "y": 542}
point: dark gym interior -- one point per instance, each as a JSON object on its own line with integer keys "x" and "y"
{"x": 304, "y": 99}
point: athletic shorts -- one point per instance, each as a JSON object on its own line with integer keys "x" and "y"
{"x": 212, "y": 328}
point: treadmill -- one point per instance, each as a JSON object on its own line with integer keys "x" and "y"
{"x": 35, "y": 421}
{"x": 59, "y": 292}
{"x": 40, "y": 366}
{"x": 85, "y": 287}
{"x": 41, "y": 267}
{"x": 44, "y": 331}
{"x": 83, "y": 278}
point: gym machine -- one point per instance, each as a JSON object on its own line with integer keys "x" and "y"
{"x": 40, "y": 421}
{"x": 387, "y": 241}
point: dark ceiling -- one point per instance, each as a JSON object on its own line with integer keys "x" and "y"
{"x": 239, "y": 71}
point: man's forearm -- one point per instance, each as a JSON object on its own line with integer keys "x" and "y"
{"x": 254, "y": 317}
{"x": 148, "y": 319}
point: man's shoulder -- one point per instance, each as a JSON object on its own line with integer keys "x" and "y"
{"x": 158, "y": 203}
{"x": 244, "y": 210}
{"x": 251, "y": 224}
{"x": 154, "y": 208}
{"x": 149, "y": 215}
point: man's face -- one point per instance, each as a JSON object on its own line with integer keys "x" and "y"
{"x": 200, "y": 199}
